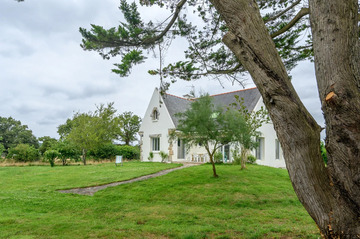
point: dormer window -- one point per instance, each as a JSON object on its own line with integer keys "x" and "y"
{"x": 155, "y": 114}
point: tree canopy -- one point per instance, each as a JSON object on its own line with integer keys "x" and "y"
{"x": 266, "y": 37}
{"x": 128, "y": 126}
{"x": 286, "y": 22}
{"x": 90, "y": 130}
{"x": 209, "y": 126}
{"x": 12, "y": 133}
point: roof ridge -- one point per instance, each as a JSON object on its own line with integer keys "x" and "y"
{"x": 178, "y": 97}
{"x": 233, "y": 91}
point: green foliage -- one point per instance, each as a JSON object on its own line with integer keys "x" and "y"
{"x": 128, "y": 152}
{"x": 206, "y": 53}
{"x": 251, "y": 159}
{"x": 128, "y": 126}
{"x": 12, "y": 133}
{"x": 236, "y": 156}
{"x": 323, "y": 152}
{"x": 89, "y": 131}
{"x": 68, "y": 150}
{"x": 105, "y": 151}
{"x": 46, "y": 144}
{"x": 204, "y": 124}
{"x": 129, "y": 59}
{"x": 164, "y": 156}
{"x": 24, "y": 153}
{"x": 2, "y": 149}
{"x": 51, "y": 155}
{"x": 151, "y": 156}
{"x": 218, "y": 157}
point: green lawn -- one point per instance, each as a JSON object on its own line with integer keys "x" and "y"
{"x": 255, "y": 203}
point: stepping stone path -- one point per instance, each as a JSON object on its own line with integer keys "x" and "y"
{"x": 91, "y": 190}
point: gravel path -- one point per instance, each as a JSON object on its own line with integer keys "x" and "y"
{"x": 91, "y": 190}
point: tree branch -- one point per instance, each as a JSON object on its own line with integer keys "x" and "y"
{"x": 282, "y": 12}
{"x": 301, "y": 13}
{"x": 167, "y": 28}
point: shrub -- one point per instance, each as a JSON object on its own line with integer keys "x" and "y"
{"x": 106, "y": 151}
{"x": 164, "y": 156}
{"x": 251, "y": 159}
{"x": 323, "y": 152}
{"x": 51, "y": 155}
{"x": 218, "y": 157}
{"x": 24, "y": 153}
{"x": 128, "y": 152}
{"x": 2, "y": 149}
{"x": 151, "y": 156}
{"x": 236, "y": 157}
{"x": 68, "y": 150}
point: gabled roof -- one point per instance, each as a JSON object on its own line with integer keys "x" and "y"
{"x": 176, "y": 104}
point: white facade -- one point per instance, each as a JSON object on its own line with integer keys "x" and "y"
{"x": 155, "y": 128}
{"x": 158, "y": 123}
{"x": 270, "y": 149}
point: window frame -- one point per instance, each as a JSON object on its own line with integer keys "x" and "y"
{"x": 155, "y": 144}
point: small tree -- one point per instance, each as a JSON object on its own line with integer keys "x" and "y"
{"x": 128, "y": 127}
{"x": 67, "y": 150}
{"x": 203, "y": 124}
{"x": 46, "y": 144}
{"x": 246, "y": 137}
{"x": 89, "y": 131}
{"x": 51, "y": 155}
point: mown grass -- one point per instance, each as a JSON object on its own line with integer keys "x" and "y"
{"x": 255, "y": 203}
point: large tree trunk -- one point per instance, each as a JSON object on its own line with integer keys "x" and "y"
{"x": 330, "y": 195}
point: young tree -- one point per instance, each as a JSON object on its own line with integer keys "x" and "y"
{"x": 203, "y": 124}
{"x": 265, "y": 46}
{"x": 91, "y": 130}
{"x": 67, "y": 150}
{"x": 128, "y": 126}
{"x": 246, "y": 137}
{"x": 51, "y": 155}
{"x": 46, "y": 144}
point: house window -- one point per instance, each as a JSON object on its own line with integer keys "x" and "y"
{"x": 155, "y": 144}
{"x": 155, "y": 114}
{"x": 260, "y": 149}
{"x": 277, "y": 149}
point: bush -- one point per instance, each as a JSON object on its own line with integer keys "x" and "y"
{"x": 164, "y": 156}
{"x": 24, "y": 153}
{"x": 236, "y": 157}
{"x": 128, "y": 152}
{"x": 51, "y": 155}
{"x": 68, "y": 150}
{"x": 2, "y": 149}
{"x": 151, "y": 156}
{"x": 251, "y": 159}
{"x": 323, "y": 152}
{"x": 106, "y": 151}
{"x": 218, "y": 157}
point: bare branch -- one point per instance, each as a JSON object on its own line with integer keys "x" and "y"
{"x": 301, "y": 13}
{"x": 283, "y": 12}
{"x": 167, "y": 28}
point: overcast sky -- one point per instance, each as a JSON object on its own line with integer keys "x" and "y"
{"x": 46, "y": 76}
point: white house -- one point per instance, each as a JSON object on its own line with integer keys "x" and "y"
{"x": 160, "y": 120}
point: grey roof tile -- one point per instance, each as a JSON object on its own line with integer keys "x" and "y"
{"x": 176, "y": 104}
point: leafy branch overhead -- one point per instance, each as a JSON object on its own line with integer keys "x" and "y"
{"x": 206, "y": 54}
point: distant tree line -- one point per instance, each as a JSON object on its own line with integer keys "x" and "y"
{"x": 84, "y": 135}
